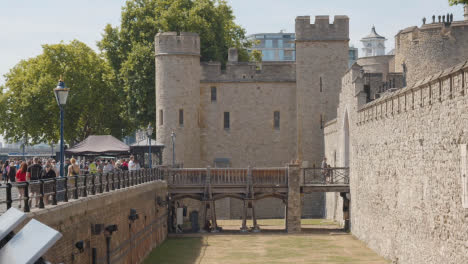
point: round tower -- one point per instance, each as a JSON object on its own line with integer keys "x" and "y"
{"x": 178, "y": 96}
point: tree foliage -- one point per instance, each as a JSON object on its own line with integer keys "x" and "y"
{"x": 130, "y": 47}
{"x": 28, "y": 106}
{"x": 458, "y": 2}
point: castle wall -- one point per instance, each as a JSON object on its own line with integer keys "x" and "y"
{"x": 74, "y": 220}
{"x": 430, "y": 48}
{"x": 376, "y": 64}
{"x": 321, "y": 60}
{"x": 405, "y": 165}
{"x": 252, "y": 138}
{"x": 177, "y": 88}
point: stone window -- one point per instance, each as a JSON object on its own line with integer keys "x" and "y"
{"x": 321, "y": 89}
{"x": 181, "y": 117}
{"x": 213, "y": 94}
{"x": 227, "y": 124}
{"x": 276, "y": 119}
{"x": 161, "y": 121}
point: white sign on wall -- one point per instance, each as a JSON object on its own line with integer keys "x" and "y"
{"x": 464, "y": 174}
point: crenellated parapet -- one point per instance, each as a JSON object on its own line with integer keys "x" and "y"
{"x": 248, "y": 72}
{"x": 322, "y": 30}
{"x": 436, "y": 88}
{"x": 173, "y": 43}
{"x": 420, "y": 51}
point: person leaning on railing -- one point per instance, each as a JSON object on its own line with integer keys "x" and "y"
{"x": 49, "y": 173}
{"x": 21, "y": 177}
{"x": 73, "y": 170}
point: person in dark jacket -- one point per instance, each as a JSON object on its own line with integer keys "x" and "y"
{"x": 49, "y": 173}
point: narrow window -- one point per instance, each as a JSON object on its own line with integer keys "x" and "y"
{"x": 276, "y": 118}
{"x": 321, "y": 84}
{"x": 181, "y": 117}
{"x": 226, "y": 120}
{"x": 321, "y": 121}
{"x": 213, "y": 94}
{"x": 161, "y": 117}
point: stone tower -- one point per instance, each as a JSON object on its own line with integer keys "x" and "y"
{"x": 321, "y": 61}
{"x": 178, "y": 96}
{"x": 374, "y": 44}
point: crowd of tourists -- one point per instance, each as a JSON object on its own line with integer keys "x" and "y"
{"x": 42, "y": 169}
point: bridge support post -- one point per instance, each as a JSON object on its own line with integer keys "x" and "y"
{"x": 346, "y": 199}
{"x": 244, "y": 217}
{"x": 294, "y": 208}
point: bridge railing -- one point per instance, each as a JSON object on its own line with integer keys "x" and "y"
{"x": 325, "y": 176}
{"x": 62, "y": 189}
{"x": 228, "y": 176}
{"x": 270, "y": 176}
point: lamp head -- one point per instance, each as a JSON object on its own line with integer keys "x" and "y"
{"x": 149, "y": 130}
{"x": 61, "y": 93}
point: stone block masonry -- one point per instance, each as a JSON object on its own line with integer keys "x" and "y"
{"x": 407, "y": 188}
{"x": 77, "y": 221}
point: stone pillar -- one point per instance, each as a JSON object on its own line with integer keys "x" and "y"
{"x": 233, "y": 55}
{"x": 346, "y": 208}
{"x": 466, "y": 12}
{"x": 293, "y": 217}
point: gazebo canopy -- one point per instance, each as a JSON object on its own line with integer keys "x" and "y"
{"x": 99, "y": 145}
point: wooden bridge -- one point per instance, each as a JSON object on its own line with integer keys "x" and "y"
{"x": 251, "y": 184}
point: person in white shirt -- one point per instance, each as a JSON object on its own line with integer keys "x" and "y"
{"x": 132, "y": 164}
{"x": 108, "y": 167}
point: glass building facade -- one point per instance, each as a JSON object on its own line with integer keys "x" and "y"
{"x": 281, "y": 47}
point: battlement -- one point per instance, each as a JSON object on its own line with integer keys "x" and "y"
{"x": 173, "y": 43}
{"x": 322, "y": 30}
{"x": 442, "y": 86}
{"x": 248, "y": 72}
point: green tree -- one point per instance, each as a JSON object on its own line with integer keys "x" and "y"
{"x": 457, "y": 2}
{"x": 130, "y": 47}
{"x": 28, "y": 106}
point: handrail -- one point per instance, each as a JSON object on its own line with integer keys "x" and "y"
{"x": 61, "y": 189}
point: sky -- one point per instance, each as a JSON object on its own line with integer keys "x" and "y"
{"x": 25, "y": 25}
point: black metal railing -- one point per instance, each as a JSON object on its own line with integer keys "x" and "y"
{"x": 27, "y": 195}
{"x": 325, "y": 176}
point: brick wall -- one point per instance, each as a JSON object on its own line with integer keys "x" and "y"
{"x": 130, "y": 244}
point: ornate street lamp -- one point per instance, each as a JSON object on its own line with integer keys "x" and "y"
{"x": 173, "y": 136}
{"x": 149, "y": 132}
{"x": 61, "y": 95}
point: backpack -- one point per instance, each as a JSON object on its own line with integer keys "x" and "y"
{"x": 12, "y": 174}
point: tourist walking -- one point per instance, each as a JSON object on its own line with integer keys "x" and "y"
{"x": 325, "y": 169}
{"x": 49, "y": 173}
{"x": 5, "y": 169}
{"x": 21, "y": 177}
{"x": 132, "y": 164}
{"x": 33, "y": 175}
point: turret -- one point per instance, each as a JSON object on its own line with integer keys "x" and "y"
{"x": 321, "y": 61}
{"x": 178, "y": 96}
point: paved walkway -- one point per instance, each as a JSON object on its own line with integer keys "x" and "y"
{"x": 323, "y": 243}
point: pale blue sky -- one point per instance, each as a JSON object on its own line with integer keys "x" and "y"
{"x": 26, "y": 24}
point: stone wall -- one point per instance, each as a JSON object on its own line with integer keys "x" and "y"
{"x": 130, "y": 244}
{"x": 430, "y": 48}
{"x": 252, "y": 138}
{"x": 405, "y": 176}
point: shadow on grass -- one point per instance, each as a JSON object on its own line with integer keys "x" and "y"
{"x": 177, "y": 251}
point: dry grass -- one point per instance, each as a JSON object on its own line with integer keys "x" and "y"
{"x": 320, "y": 246}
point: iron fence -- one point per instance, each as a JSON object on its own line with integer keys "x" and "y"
{"x": 61, "y": 189}
{"x": 325, "y": 176}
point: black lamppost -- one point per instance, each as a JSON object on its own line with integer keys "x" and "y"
{"x": 173, "y": 136}
{"x": 61, "y": 95}
{"x": 149, "y": 132}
